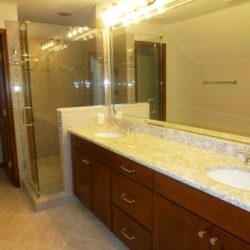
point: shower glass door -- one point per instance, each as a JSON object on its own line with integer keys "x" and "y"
{"x": 69, "y": 74}
{"x": 29, "y": 133}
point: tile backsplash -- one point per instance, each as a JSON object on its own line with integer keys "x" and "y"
{"x": 217, "y": 145}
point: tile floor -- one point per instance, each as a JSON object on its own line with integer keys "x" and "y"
{"x": 68, "y": 227}
{"x": 50, "y": 175}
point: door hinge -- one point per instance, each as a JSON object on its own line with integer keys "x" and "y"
{"x": 1, "y": 56}
{"x": 4, "y": 112}
{"x": 10, "y": 164}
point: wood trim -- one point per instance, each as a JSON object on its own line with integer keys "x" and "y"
{"x": 220, "y": 213}
{"x": 10, "y": 117}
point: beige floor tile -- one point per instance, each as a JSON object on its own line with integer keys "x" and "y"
{"x": 73, "y": 210}
{"x": 29, "y": 247}
{"x": 4, "y": 245}
{"x": 92, "y": 236}
{"x": 69, "y": 227}
{"x": 48, "y": 232}
{"x": 12, "y": 226}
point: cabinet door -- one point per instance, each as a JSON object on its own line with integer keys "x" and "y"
{"x": 177, "y": 229}
{"x": 102, "y": 192}
{"x": 81, "y": 166}
{"x": 221, "y": 240}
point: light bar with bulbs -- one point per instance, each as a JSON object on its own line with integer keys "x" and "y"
{"x": 84, "y": 33}
{"x": 53, "y": 45}
{"x": 76, "y": 31}
{"x": 126, "y": 12}
{"x": 49, "y": 44}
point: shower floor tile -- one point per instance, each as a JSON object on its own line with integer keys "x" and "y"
{"x": 50, "y": 175}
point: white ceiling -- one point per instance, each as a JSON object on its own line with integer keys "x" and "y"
{"x": 83, "y": 11}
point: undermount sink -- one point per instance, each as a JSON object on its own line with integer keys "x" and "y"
{"x": 234, "y": 177}
{"x": 108, "y": 134}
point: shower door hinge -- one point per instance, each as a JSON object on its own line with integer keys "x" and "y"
{"x": 10, "y": 164}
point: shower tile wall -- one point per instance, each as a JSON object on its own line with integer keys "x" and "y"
{"x": 57, "y": 80}
{"x": 54, "y": 79}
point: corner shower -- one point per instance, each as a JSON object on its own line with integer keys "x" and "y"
{"x": 67, "y": 75}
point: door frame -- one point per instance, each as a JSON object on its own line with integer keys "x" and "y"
{"x": 162, "y": 73}
{"x": 12, "y": 163}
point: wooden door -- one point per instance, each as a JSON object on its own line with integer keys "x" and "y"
{"x": 82, "y": 177}
{"x": 102, "y": 192}
{"x": 7, "y": 131}
{"x": 177, "y": 229}
{"x": 221, "y": 240}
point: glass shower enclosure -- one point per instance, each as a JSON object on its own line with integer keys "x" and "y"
{"x": 69, "y": 74}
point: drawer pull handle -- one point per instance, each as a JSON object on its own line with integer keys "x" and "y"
{"x": 130, "y": 171}
{"x": 125, "y": 198}
{"x": 123, "y": 232}
{"x": 213, "y": 241}
{"x": 86, "y": 162}
{"x": 201, "y": 234}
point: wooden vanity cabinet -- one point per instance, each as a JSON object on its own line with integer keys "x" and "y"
{"x": 132, "y": 203}
{"x": 133, "y": 199}
{"x": 175, "y": 228}
{"x": 92, "y": 179}
{"x": 188, "y": 219}
{"x": 82, "y": 177}
{"x": 149, "y": 210}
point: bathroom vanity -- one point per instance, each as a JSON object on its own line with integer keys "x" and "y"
{"x": 148, "y": 206}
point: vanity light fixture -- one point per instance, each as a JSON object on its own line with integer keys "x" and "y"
{"x": 84, "y": 33}
{"x": 76, "y": 31}
{"x": 49, "y": 44}
{"x": 126, "y": 12}
{"x": 54, "y": 45}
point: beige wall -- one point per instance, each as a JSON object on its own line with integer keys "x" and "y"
{"x": 8, "y": 12}
{"x": 210, "y": 48}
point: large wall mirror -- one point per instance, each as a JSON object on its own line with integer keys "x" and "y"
{"x": 189, "y": 65}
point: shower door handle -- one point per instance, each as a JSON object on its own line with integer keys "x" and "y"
{"x": 151, "y": 102}
{"x": 25, "y": 110}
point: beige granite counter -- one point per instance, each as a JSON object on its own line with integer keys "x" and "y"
{"x": 185, "y": 163}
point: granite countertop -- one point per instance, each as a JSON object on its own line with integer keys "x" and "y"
{"x": 184, "y": 163}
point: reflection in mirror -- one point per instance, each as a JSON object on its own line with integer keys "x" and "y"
{"x": 207, "y": 64}
{"x": 139, "y": 71}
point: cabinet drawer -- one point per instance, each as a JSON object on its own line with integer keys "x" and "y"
{"x": 133, "y": 198}
{"x": 133, "y": 170}
{"x": 91, "y": 149}
{"x": 130, "y": 232}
